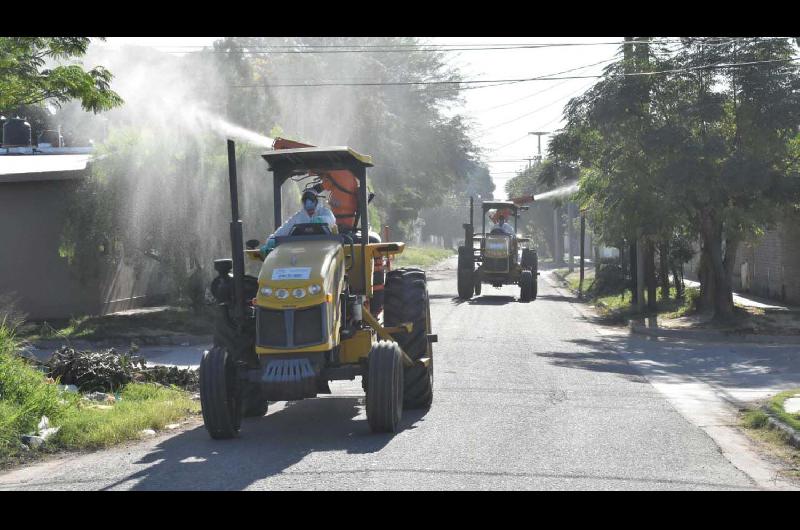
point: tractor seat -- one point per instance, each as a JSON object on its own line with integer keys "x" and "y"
{"x": 498, "y": 232}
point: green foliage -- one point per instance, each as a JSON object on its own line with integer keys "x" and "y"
{"x": 27, "y": 79}
{"x": 700, "y": 152}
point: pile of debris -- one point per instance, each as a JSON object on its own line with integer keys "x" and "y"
{"x": 108, "y": 370}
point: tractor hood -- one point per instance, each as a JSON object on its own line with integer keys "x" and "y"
{"x": 301, "y": 264}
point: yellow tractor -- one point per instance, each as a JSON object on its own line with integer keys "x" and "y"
{"x": 502, "y": 258}
{"x": 306, "y": 319}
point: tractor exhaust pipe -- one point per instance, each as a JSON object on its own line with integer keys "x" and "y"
{"x": 469, "y": 228}
{"x": 237, "y": 243}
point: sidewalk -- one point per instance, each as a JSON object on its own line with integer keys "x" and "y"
{"x": 748, "y": 300}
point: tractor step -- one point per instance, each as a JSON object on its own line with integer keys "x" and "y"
{"x": 432, "y": 337}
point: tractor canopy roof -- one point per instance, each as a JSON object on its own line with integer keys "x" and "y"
{"x": 499, "y": 205}
{"x": 316, "y": 159}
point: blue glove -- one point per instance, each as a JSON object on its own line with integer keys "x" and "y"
{"x": 267, "y": 247}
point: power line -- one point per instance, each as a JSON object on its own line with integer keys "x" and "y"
{"x": 519, "y": 80}
{"x": 552, "y": 103}
{"x": 548, "y": 88}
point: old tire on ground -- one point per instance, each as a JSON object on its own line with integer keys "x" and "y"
{"x": 407, "y": 301}
{"x": 466, "y": 267}
{"x": 526, "y": 286}
{"x": 220, "y": 394}
{"x": 385, "y": 388}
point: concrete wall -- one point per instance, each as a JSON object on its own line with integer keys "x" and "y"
{"x": 32, "y": 215}
{"x": 769, "y": 266}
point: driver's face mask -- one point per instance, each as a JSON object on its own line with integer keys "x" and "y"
{"x": 308, "y": 204}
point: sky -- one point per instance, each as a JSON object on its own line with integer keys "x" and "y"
{"x": 503, "y": 115}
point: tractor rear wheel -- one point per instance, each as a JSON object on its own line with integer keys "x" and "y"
{"x": 385, "y": 388}
{"x": 407, "y": 301}
{"x": 253, "y": 405}
{"x": 526, "y": 286}
{"x": 220, "y": 394}
{"x": 466, "y": 268}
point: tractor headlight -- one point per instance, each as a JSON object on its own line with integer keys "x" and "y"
{"x": 299, "y": 292}
{"x": 314, "y": 289}
{"x": 266, "y": 291}
{"x": 282, "y": 294}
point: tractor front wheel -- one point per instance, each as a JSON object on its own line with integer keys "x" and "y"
{"x": 466, "y": 267}
{"x": 220, "y": 394}
{"x": 385, "y": 388}
{"x": 526, "y": 286}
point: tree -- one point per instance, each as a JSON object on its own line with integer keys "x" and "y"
{"x": 25, "y": 79}
{"x": 705, "y": 144}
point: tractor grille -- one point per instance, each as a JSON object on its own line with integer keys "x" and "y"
{"x": 270, "y": 328}
{"x": 308, "y": 326}
{"x": 495, "y": 264}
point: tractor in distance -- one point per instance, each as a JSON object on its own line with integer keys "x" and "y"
{"x": 306, "y": 319}
{"x": 497, "y": 258}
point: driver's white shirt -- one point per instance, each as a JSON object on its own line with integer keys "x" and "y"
{"x": 302, "y": 217}
{"x": 505, "y": 227}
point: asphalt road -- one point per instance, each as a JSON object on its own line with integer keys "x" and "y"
{"x": 527, "y": 396}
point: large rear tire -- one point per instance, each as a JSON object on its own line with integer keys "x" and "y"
{"x": 385, "y": 388}
{"x": 220, "y": 394}
{"x": 407, "y": 301}
{"x": 253, "y": 405}
{"x": 466, "y": 268}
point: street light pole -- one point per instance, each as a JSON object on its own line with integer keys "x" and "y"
{"x": 539, "y": 135}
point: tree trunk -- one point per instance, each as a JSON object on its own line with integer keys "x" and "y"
{"x": 663, "y": 252}
{"x": 650, "y": 275}
{"x": 632, "y": 256}
{"x": 678, "y": 281}
{"x": 717, "y": 293}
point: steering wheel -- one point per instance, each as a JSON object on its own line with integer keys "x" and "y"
{"x": 310, "y": 229}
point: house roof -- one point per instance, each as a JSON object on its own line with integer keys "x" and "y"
{"x": 27, "y": 168}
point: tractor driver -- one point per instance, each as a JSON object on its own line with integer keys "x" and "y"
{"x": 502, "y": 225}
{"x": 311, "y": 212}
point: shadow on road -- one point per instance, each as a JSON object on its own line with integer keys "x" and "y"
{"x": 556, "y": 298}
{"x": 598, "y": 358}
{"x": 266, "y": 447}
{"x": 492, "y": 300}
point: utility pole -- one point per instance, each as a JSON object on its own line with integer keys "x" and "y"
{"x": 570, "y": 235}
{"x": 539, "y": 134}
{"x": 583, "y": 239}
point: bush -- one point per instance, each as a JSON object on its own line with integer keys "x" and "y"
{"x": 609, "y": 280}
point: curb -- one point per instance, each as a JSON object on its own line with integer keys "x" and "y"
{"x": 775, "y": 423}
{"x": 712, "y": 336}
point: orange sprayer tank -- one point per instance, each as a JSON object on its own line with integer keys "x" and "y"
{"x": 341, "y": 185}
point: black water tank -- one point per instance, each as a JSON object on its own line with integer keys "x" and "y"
{"x": 16, "y": 133}
{"x": 51, "y": 137}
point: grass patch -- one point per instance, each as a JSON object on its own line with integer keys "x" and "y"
{"x": 421, "y": 257}
{"x": 776, "y": 406}
{"x": 141, "y": 406}
{"x": 26, "y": 395}
{"x": 774, "y": 441}
{"x": 139, "y": 325}
{"x": 617, "y": 309}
